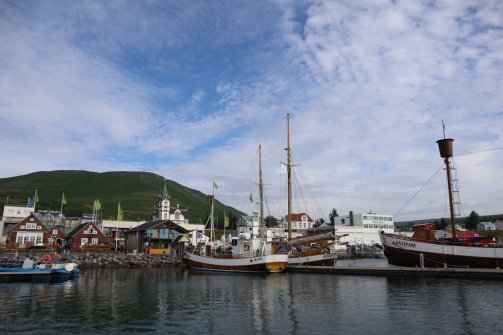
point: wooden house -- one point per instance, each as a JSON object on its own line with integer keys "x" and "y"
{"x": 56, "y": 237}
{"x": 29, "y": 232}
{"x": 153, "y": 237}
{"x": 87, "y": 236}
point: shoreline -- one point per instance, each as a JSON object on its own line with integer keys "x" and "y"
{"x": 94, "y": 260}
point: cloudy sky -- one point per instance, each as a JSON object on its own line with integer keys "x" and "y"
{"x": 189, "y": 89}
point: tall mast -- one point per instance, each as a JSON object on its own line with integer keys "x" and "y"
{"x": 261, "y": 186}
{"x": 289, "y": 173}
{"x": 212, "y": 222}
{"x": 445, "y": 148}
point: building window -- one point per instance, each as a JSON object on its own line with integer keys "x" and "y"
{"x": 83, "y": 241}
{"x": 31, "y": 226}
{"x": 25, "y": 237}
{"x": 94, "y": 241}
{"x": 90, "y": 231}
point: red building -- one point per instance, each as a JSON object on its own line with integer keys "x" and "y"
{"x": 87, "y": 236}
{"x": 56, "y": 237}
{"x": 29, "y": 232}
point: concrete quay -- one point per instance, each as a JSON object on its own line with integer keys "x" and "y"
{"x": 396, "y": 271}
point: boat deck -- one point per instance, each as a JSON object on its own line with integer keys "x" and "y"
{"x": 401, "y": 271}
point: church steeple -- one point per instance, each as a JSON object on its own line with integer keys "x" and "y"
{"x": 165, "y": 194}
{"x": 164, "y": 203}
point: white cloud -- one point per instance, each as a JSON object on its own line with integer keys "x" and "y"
{"x": 189, "y": 91}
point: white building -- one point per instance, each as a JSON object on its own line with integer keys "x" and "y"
{"x": 363, "y": 228}
{"x": 163, "y": 212}
{"x": 12, "y": 215}
{"x": 498, "y": 225}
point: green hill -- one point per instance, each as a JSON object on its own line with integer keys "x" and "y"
{"x": 137, "y": 192}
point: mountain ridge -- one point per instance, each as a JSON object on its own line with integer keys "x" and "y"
{"x": 137, "y": 192}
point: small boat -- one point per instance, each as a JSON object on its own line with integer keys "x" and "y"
{"x": 251, "y": 251}
{"x": 51, "y": 268}
{"x": 424, "y": 250}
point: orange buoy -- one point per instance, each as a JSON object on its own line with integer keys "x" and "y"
{"x": 46, "y": 259}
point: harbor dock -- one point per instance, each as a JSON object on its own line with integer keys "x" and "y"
{"x": 467, "y": 273}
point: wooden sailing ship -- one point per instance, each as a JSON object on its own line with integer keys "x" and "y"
{"x": 424, "y": 250}
{"x": 252, "y": 250}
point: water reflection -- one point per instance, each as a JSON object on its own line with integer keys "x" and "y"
{"x": 169, "y": 300}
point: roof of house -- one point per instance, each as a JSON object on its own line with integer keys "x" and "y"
{"x": 298, "y": 217}
{"x": 153, "y": 224}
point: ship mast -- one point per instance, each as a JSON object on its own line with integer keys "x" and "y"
{"x": 445, "y": 148}
{"x": 289, "y": 174}
{"x": 261, "y": 186}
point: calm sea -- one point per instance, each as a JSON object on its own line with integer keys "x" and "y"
{"x": 178, "y": 301}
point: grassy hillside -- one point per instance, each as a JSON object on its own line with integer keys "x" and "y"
{"x": 137, "y": 192}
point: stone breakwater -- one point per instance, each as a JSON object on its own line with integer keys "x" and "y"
{"x": 85, "y": 260}
{"x": 124, "y": 260}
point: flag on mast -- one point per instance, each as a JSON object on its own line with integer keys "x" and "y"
{"x": 250, "y": 198}
{"x": 35, "y": 200}
{"x": 120, "y": 213}
{"x": 226, "y": 220}
{"x": 215, "y": 185}
{"x": 63, "y": 202}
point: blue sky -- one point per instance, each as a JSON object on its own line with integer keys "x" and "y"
{"x": 189, "y": 89}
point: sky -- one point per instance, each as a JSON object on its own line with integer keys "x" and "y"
{"x": 190, "y": 89}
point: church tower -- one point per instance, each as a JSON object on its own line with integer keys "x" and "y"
{"x": 164, "y": 203}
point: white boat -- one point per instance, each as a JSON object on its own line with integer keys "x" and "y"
{"x": 252, "y": 250}
{"x": 424, "y": 250}
{"x": 49, "y": 269}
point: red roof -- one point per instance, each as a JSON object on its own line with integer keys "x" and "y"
{"x": 298, "y": 217}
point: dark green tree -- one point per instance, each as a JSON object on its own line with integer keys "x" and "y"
{"x": 318, "y": 222}
{"x": 271, "y": 221}
{"x": 472, "y": 221}
{"x": 442, "y": 224}
{"x": 333, "y": 214}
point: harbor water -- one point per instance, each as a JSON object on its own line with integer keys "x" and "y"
{"x": 179, "y": 301}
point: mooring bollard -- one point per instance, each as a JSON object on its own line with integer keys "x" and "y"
{"x": 421, "y": 261}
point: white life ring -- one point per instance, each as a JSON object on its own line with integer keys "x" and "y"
{"x": 247, "y": 247}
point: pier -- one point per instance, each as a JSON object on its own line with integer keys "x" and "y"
{"x": 466, "y": 273}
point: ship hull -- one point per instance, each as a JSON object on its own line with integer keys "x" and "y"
{"x": 402, "y": 251}
{"x": 262, "y": 264}
{"x": 319, "y": 259}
